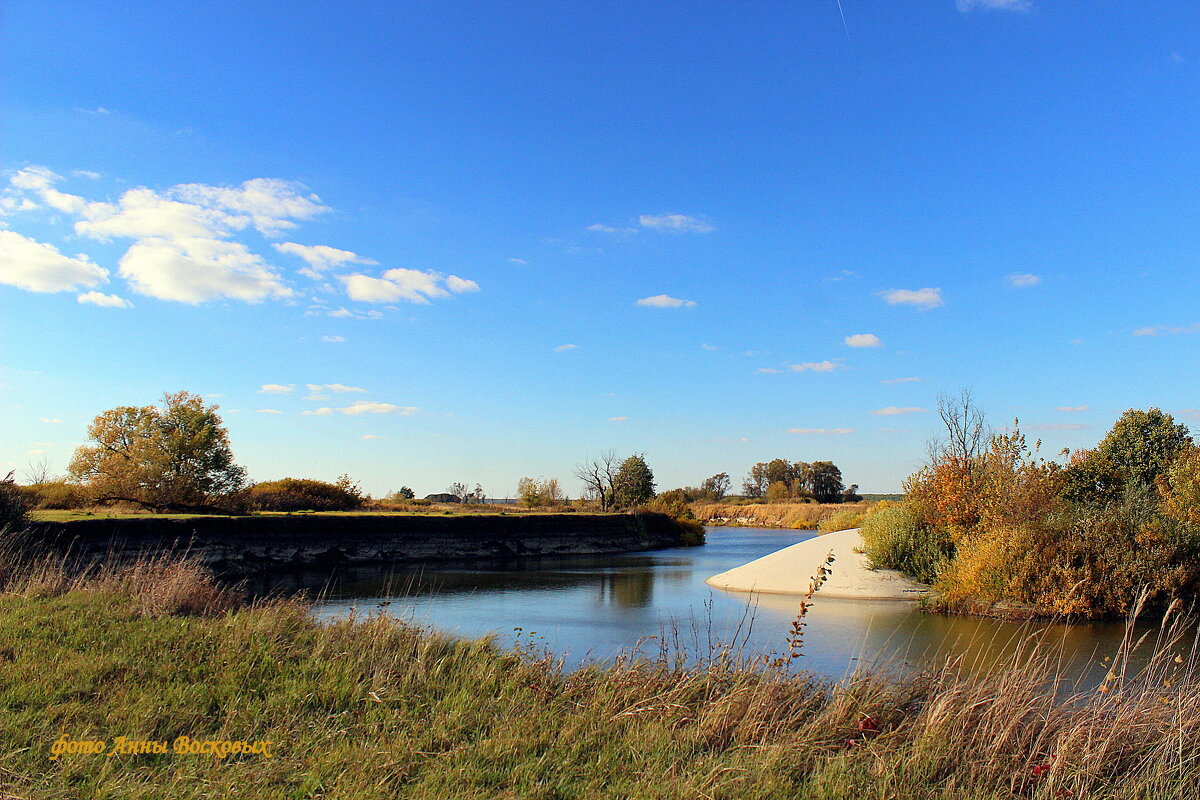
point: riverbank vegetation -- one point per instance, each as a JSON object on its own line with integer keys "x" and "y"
{"x": 376, "y": 708}
{"x": 797, "y": 516}
{"x": 997, "y": 529}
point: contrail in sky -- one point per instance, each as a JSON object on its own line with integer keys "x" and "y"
{"x": 843, "y": 13}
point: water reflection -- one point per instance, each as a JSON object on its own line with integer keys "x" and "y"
{"x": 595, "y": 607}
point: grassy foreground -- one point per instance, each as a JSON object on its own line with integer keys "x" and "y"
{"x": 379, "y": 709}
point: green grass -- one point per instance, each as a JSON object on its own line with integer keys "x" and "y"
{"x": 379, "y": 709}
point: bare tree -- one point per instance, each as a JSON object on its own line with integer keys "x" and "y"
{"x": 598, "y": 477}
{"x": 39, "y": 471}
{"x": 967, "y": 431}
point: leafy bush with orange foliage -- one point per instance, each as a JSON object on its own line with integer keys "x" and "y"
{"x": 997, "y": 527}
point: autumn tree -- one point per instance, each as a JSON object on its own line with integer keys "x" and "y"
{"x": 633, "y": 484}
{"x": 533, "y": 493}
{"x": 827, "y": 483}
{"x": 716, "y": 487}
{"x": 175, "y": 456}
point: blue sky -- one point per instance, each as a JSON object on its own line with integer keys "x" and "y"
{"x": 430, "y": 242}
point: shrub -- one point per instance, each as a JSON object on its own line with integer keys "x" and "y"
{"x": 60, "y": 494}
{"x": 304, "y": 494}
{"x": 894, "y": 538}
{"x": 842, "y": 520}
{"x": 13, "y": 505}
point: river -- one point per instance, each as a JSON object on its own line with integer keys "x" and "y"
{"x": 596, "y": 607}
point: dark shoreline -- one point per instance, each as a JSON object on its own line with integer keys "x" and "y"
{"x": 240, "y": 547}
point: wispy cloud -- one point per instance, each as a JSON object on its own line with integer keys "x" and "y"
{"x": 1165, "y": 330}
{"x": 618, "y": 419}
{"x": 50, "y": 420}
{"x": 105, "y": 300}
{"x": 767, "y": 370}
{"x": 901, "y": 380}
{"x": 813, "y": 366}
{"x": 334, "y": 339}
{"x": 664, "y": 301}
{"x": 898, "y": 411}
{"x": 363, "y": 407}
{"x": 562, "y": 348}
{"x": 410, "y": 285}
{"x": 663, "y": 223}
{"x": 966, "y": 6}
{"x": 863, "y": 340}
{"x": 921, "y": 298}
{"x": 1058, "y": 426}
{"x": 1073, "y": 409}
{"x": 675, "y": 223}
{"x": 369, "y": 436}
{"x": 1023, "y": 280}
{"x": 277, "y": 388}
{"x": 320, "y": 257}
{"x": 822, "y": 431}
{"x": 268, "y": 411}
{"x": 518, "y": 261}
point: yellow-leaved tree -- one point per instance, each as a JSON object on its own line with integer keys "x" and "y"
{"x": 171, "y": 457}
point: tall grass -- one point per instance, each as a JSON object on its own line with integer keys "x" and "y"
{"x": 377, "y": 708}
{"x": 798, "y": 516}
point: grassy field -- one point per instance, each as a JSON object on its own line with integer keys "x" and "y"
{"x": 375, "y": 708}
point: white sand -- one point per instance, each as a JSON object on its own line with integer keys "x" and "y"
{"x": 791, "y": 570}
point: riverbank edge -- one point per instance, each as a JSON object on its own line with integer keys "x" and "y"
{"x": 240, "y": 547}
{"x": 791, "y": 570}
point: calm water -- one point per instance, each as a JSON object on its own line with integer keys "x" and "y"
{"x": 595, "y": 607}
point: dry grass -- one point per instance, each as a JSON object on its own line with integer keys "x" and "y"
{"x": 798, "y": 516}
{"x": 375, "y": 708}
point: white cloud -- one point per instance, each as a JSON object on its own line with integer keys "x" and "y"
{"x": 518, "y": 261}
{"x": 863, "y": 340}
{"x": 277, "y": 388}
{"x": 334, "y": 339}
{"x": 1163, "y": 330}
{"x": 1073, "y": 409}
{"x": 966, "y": 6}
{"x": 269, "y": 411}
{"x": 50, "y": 420}
{"x": 813, "y": 366}
{"x": 901, "y": 380}
{"x": 86, "y": 173}
{"x": 1023, "y": 280}
{"x": 459, "y": 285}
{"x": 897, "y": 411}
{"x": 337, "y": 388}
{"x": 142, "y": 213}
{"x": 39, "y": 267}
{"x": 269, "y": 204}
{"x": 674, "y": 223}
{"x": 345, "y": 313}
{"x": 767, "y": 370}
{"x": 618, "y": 419}
{"x": 598, "y": 228}
{"x": 40, "y": 182}
{"x": 664, "y": 301}
{"x": 709, "y": 347}
{"x": 562, "y": 348}
{"x": 922, "y": 298}
{"x": 822, "y": 431}
{"x": 412, "y": 285}
{"x": 101, "y": 299}
{"x": 364, "y": 407}
{"x": 320, "y": 257}
{"x": 194, "y": 269}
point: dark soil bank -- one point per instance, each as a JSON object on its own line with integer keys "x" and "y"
{"x": 236, "y": 547}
